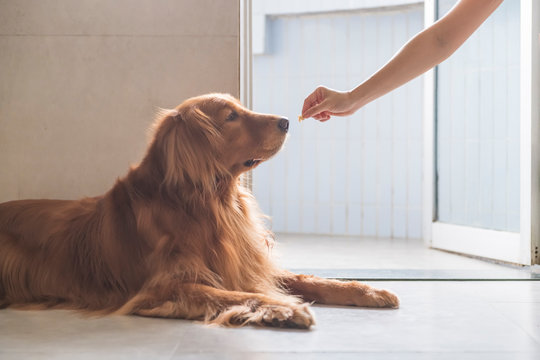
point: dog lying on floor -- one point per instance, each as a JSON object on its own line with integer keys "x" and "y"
{"x": 177, "y": 237}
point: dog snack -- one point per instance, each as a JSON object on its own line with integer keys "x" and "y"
{"x": 300, "y": 118}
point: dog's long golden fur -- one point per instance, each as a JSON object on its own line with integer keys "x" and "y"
{"x": 176, "y": 237}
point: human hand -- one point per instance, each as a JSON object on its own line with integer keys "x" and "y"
{"x": 324, "y": 103}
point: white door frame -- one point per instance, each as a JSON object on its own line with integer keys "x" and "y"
{"x": 522, "y": 247}
{"x": 246, "y": 53}
{"x": 246, "y": 68}
{"x": 530, "y": 128}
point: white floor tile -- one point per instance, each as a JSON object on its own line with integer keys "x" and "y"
{"x": 437, "y": 319}
{"x": 298, "y": 251}
{"x": 449, "y": 319}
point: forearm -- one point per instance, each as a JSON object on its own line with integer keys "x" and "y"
{"x": 426, "y": 50}
{"x": 420, "y": 54}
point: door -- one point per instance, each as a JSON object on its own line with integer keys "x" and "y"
{"x": 481, "y": 198}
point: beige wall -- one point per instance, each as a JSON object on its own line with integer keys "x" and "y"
{"x": 80, "y": 82}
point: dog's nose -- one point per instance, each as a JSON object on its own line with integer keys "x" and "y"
{"x": 283, "y": 124}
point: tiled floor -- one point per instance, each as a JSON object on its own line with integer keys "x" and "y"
{"x": 437, "y": 320}
{"x": 347, "y": 252}
{"x": 375, "y": 259}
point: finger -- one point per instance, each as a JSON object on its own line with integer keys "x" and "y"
{"x": 315, "y": 98}
{"x": 322, "y": 116}
{"x": 310, "y": 101}
{"x": 325, "y": 116}
{"x": 314, "y": 110}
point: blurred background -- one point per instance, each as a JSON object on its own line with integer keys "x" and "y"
{"x": 362, "y": 174}
{"x": 449, "y": 160}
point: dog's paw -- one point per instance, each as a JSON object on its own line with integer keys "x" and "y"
{"x": 282, "y": 315}
{"x": 293, "y": 316}
{"x": 382, "y": 299}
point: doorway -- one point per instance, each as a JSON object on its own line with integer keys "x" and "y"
{"x": 359, "y": 183}
{"x": 480, "y": 198}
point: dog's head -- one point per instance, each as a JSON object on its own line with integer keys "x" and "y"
{"x": 213, "y": 137}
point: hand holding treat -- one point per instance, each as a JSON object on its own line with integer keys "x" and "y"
{"x": 324, "y": 103}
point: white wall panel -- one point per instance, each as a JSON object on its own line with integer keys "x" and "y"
{"x": 80, "y": 82}
{"x": 478, "y": 125}
{"x": 359, "y": 175}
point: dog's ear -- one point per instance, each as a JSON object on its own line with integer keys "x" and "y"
{"x": 189, "y": 141}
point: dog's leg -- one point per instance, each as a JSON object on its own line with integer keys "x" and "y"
{"x": 335, "y": 292}
{"x": 222, "y": 307}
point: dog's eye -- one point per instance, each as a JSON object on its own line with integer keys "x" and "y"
{"x": 232, "y": 116}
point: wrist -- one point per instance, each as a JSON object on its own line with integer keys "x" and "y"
{"x": 358, "y": 96}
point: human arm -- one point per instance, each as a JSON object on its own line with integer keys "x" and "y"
{"x": 425, "y": 50}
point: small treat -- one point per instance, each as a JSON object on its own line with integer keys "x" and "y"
{"x": 300, "y": 118}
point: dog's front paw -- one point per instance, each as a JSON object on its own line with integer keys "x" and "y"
{"x": 293, "y": 316}
{"x": 382, "y": 299}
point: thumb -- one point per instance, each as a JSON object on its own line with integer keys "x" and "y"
{"x": 314, "y": 110}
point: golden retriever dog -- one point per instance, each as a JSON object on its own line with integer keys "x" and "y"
{"x": 177, "y": 237}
